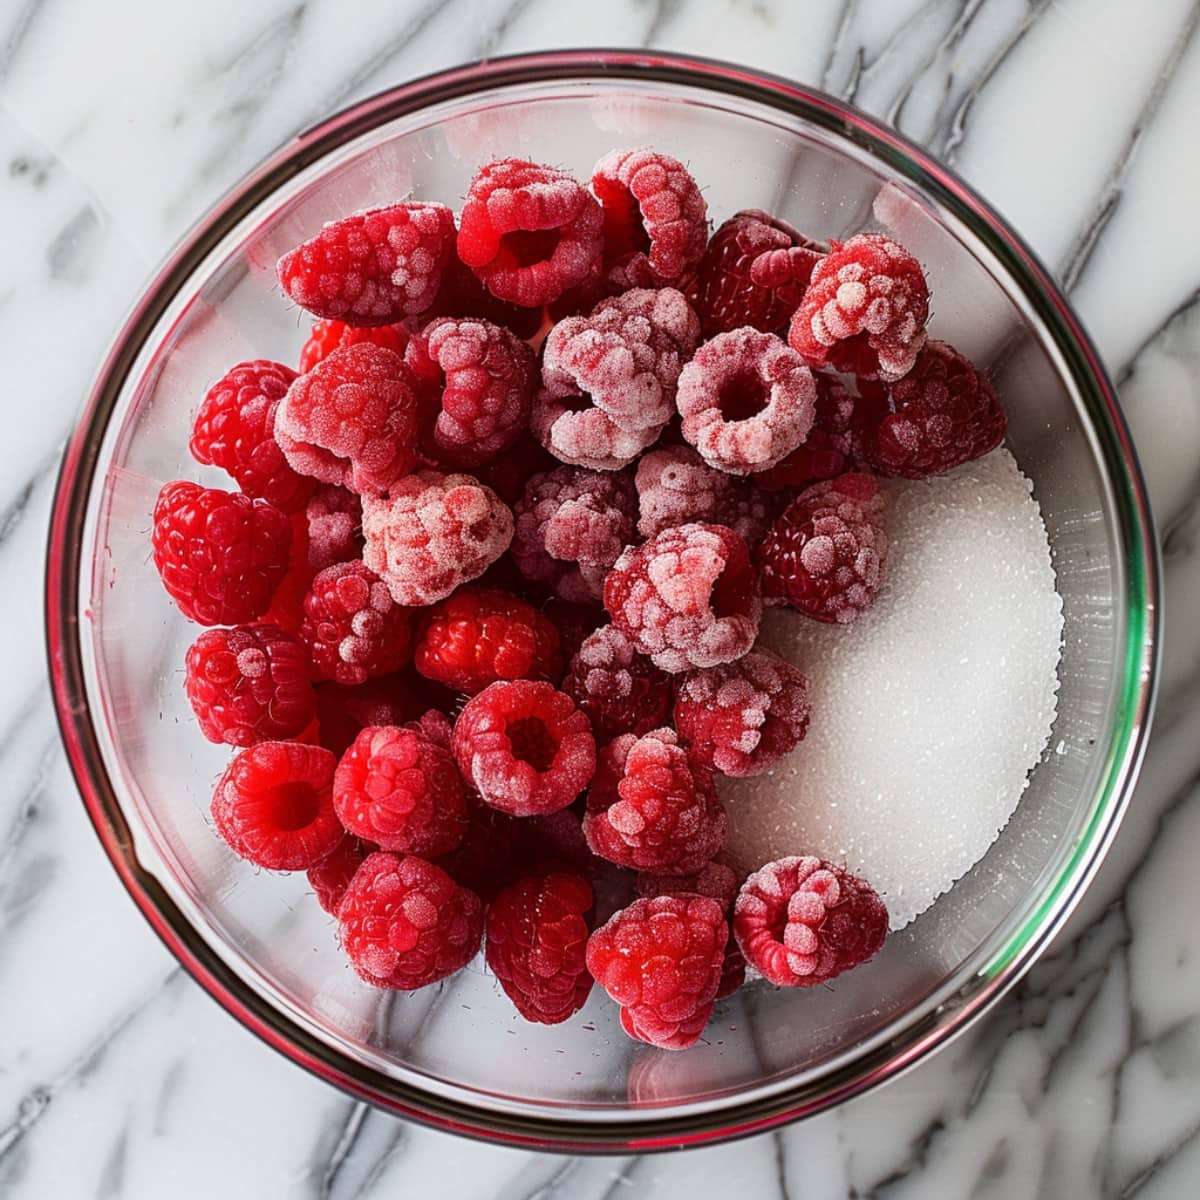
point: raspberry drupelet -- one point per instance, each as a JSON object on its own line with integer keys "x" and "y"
{"x": 330, "y": 878}
{"x": 328, "y": 336}
{"x": 334, "y": 526}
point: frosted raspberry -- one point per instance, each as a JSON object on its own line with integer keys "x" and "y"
{"x": 747, "y": 401}
{"x": 825, "y": 555}
{"x": 388, "y": 700}
{"x": 404, "y": 923}
{"x": 655, "y": 219}
{"x": 742, "y": 717}
{"x": 462, "y": 295}
{"x": 330, "y": 878}
{"x": 571, "y": 526}
{"x": 249, "y": 684}
{"x": 334, "y": 526}
{"x": 328, "y": 336}
{"x": 352, "y": 420}
{"x": 687, "y": 598}
{"x": 433, "y": 533}
{"x": 525, "y": 747}
{"x": 372, "y": 268}
{"x": 801, "y": 921}
{"x": 618, "y": 689}
{"x": 865, "y": 309}
{"x": 529, "y": 232}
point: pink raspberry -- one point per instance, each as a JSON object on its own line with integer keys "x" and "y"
{"x": 618, "y": 689}
{"x": 571, "y": 526}
{"x": 433, "y": 533}
{"x": 334, "y": 524}
{"x": 330, "y": 878}
{"x": 687, "y": 598}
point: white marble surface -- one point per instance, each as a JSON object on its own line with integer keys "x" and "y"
{"x": 121, "y": 122}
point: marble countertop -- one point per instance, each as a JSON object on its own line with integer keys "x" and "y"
{"x": 121, "y": 122}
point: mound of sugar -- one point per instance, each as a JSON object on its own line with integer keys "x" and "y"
{"x": 928, "y": 711}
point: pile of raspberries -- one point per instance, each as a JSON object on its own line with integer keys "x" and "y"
{"x": 483, "y": 608}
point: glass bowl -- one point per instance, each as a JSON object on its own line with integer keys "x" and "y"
{"x": 457, "y": 1056}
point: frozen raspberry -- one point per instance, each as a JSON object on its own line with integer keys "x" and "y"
{"x": 865, "y": 309}
{"x": 747, "y": 401}
{"x": 825, "y": 554}
{"x": 661, "y": 959}
{"x": 401, "y": 790}
{"x": 388, "y": 700}
{"x": 249, "y": 684}
{"x": 220, "y": 555}
{"x": 655, "y": 219}
{"x": 537, "y": 934}
{"x": 525, "y": 747}
{"x": 433, "y": 533}
{"x": 463, "y": 295}
{"x": 571, "y": 526}
{"x": 715, "y": 880}
{"x": 618, "y": 689}
{"x": 404, "y": 923}
{"x": 274, "y": 805}
{"x": 754, "y": 272}
{"x": 687, "y": 598}
{"x": 372, "y": 268}
{"x": 484, "y": 378}
{"x": 330, "y": 878}
{"x": 352, "y": 419}
{"x": 741, "y": 718}
{"x": 334, "y": 526}
{"x": 801, "y": 921}
{"x": 508, "y": 474}
{"x": 529, "y": 232}
{"x": 328, "y": 336}
{"x": 352, "y": 627}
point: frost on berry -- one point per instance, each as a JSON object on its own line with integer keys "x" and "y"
{"x": 334, "y": 520}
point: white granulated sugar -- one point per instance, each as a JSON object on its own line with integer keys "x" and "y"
{"x": 928, "y": 711}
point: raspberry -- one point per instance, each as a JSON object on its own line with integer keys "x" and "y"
{"x": 741, "y": 718}
{"x": 571, "y": 526}
{"x": 372, "y": 268}
{"x": 655, "y": 219}
{"x": 485, "y": 860}
{"x": 274, "y": 805}
{"x": 525, "y": 747}
{"x": 330, "y": 878}
{"x": 401, "y": 790}
{"x": 528, "y": 232}
{"x": 574, "y": 623}
{"x": 220, "y": 555}
{"x": 352, "y": 419}
{"x": 652, "y": 808}
{"x": 480, "y": 635}
{"x": 687, "y": 598}
{"x": 334, "y": 523}
{"x": 508, "y": 474}
{"x": 352, "y": 627}
{"x": 287, "y": 604}
{"x": 715, "y": 880}
{"x": 328, "y": 336}
{"x": 389, "y": 700}
{"x": 661, "y": 960}
{"x": 753, "y": 272}
{"x": 747, "y": 401}
{"x": 404, "y": 923}
{"x": 801, "y": 921}
{"x": 249, "y": 684}
{"x": 865, "y": 309}
{"x": 941, "y": 414}
{"x": 462, "y": 295}
{"x": 553, "y": 840}
{"x": 825, "y": 554}
{"x": 433, "y": 533}
{"x": 618, "y": 689}
{"x": 484, "y": 377}
{"x": 537, "y": 936}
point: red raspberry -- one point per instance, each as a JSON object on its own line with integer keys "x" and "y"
{"x": 618, "y": 689}
{"x": 330, "y": 878}
{"x": 220, "y": 555}
{"x": 404, "y": 923}
{"x": 747, "y": 401}
{"x": 274, "y": 805}
{"x": 753, "y": 272}
{"x": 652, "y": 808}
{"x": 741, "y": 718}
{"x": 661, "y": 960}
{"x": 433, "y": 533}
{"x": 249, "y": 684}
{"x": 352, "y": 419}
{"x": 571, "y": 526}
{"x": 328, "y": 336}
{"x": 687, "y": 598}
{"x": 529, "y": 232}
{"x": 401, "y": 790}
{"x": 715, "y": 879}
{"x": 865, "y": 309}
{"x": 486, "y": 859}
{"x": 508, "y": 474}
{"x": 825, "y": 555}
{"x": 462, "y": 295}
{"x": 334, "y": 526}
{"x": 480, "y": 635}
{"x": 537, "y": 936}
{"x": 352, "y": 627}
{"x": 372, "y": 268}
{"x": 390, "y": 700}
{"x": 287, "y": 605}
{"x": 655, "y": 219}
{"x": 525, "y": 746}
{"x": 801, "y": 921}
